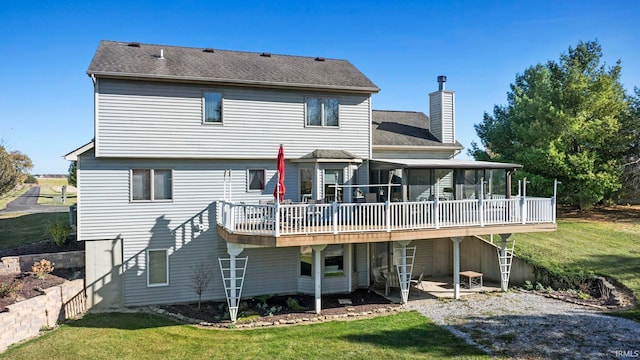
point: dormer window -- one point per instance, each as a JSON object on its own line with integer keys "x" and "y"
{"x": 212, "y": 103}
{"x": 321, "y": 111}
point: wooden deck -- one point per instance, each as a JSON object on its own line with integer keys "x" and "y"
{"x": 280, "y": 225}
{"x": 366, "y": 235}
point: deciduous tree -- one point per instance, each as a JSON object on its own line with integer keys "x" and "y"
{"x": 14, "y": 167}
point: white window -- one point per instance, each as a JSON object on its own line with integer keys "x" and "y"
{"x": 306, "y": 260}
{"x": 157, "y": 267}
{"x": 322, "y": 111}
{"x": 306, "y": 184}
{"x": 334, "y": 260}
{"x": 333, "y": 178}
{"x": 151, "y": 184}
{"x": 255, "y": 179}
{"x": 212, "y": 107}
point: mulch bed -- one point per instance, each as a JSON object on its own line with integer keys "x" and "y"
{"x": 43, "y": 247}
{"x": 24, "y": 286}
{"x": 286, "y": 308}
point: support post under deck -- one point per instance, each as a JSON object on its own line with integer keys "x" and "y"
{"x": 505, "y": 258}
{"x": 317, "y": 275}
{"x": 229, "y": 270}
{"x": 456, "y": 266}
{"x": 404, "y": 267}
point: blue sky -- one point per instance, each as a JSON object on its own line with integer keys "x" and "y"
{"x": 46, "y": 98}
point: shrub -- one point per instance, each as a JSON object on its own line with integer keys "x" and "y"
{"x": 42, "y": 268}
{"x": 294, "y": 305}
{"x": 200, "y": 277}
{"x": 30, "y": 179}
{"x": 263, "y": 299}
{"x": 60, "y": 231}
{"x": 7, "y": 289}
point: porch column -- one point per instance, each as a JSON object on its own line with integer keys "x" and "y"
{"x": 317, "y": 195}
{"x": 456, "y": 266}
{"x": 349, "y": 269}
{"x": 317, "y": 275}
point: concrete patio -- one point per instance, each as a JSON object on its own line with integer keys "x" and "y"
{"x": 435, "y": 288}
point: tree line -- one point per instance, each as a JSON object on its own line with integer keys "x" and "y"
{"x": 570, "y": 120}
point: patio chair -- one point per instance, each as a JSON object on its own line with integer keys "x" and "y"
{"x": 267, "y": 217}
{"x": 370, "y": 198}
{"x": 377, "y": 277}
{"x": 418, "y": 283}
{"x": 392, "y": 281}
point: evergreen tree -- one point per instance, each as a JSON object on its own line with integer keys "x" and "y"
{"x": 567, "y": 120}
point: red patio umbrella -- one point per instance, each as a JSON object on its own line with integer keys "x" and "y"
{"x": 279, "y": 190}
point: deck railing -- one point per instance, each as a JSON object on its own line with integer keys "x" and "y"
{"x": 291, "y": 219}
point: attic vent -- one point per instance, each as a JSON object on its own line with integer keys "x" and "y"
{"x": 319, "y": 59}
{"x": 208, "y": 50}
{"x": 134, "y": 44}
{"x": 266, "y": 54}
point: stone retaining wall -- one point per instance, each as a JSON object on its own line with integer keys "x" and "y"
{"x": 62, "y": 260}
{"x": 10, "y": 265}
{"x": 26, "y": 318}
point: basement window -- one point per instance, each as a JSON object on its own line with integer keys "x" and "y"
{"x": 306, "y": 260}
{"x": 334, "y": 260}
{"x": 157, "y": 267}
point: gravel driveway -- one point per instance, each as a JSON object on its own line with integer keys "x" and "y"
{"x": 529, "y": 326}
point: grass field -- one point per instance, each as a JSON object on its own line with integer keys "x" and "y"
{"x": 51, "y": 191}
{"x": 609, "y": 247}
{"x": 20, "y": 229}
{"x": 141, "y": 336}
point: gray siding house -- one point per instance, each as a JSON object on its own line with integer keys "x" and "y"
{"x": 182, "y": 172}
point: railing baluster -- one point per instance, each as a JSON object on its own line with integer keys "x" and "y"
{"x": 279, "y": 219}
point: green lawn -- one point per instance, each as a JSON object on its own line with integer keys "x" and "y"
{"x": 19, "y": 229}
{"x": 609, "y": 248}
{"x": 51, "y": 191}
{"x": 141, "y": 336}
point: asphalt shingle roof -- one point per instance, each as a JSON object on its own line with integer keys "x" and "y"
{"x": 403, "y": 128}
{"x": 330, "y": 154}
{"x": 123, "y": 59}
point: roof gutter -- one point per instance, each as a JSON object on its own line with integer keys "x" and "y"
{"x": 351, "y": 161}
{"x": 263, "y": 84}
{"x": 418, "y": 147}
{"x": 73, "y": 155}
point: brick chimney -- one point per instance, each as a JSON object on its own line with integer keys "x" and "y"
{"x": 442, "y": 113}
